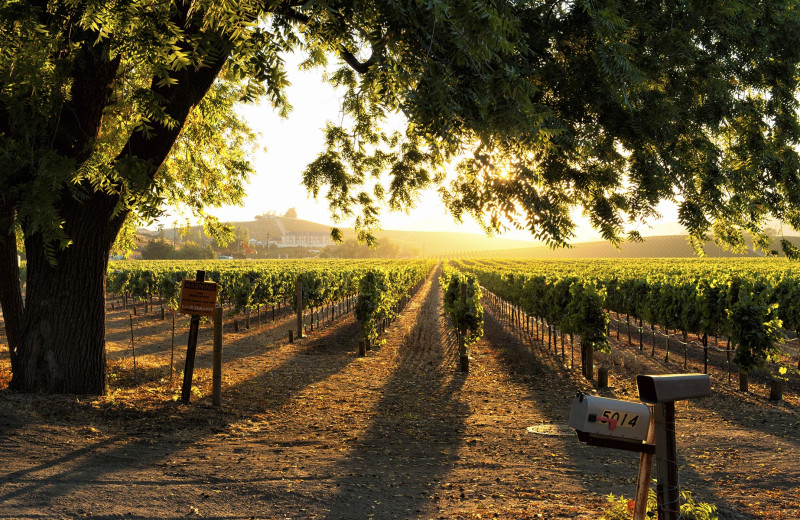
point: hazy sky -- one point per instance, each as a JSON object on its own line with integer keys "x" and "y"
{"x": 288, "y": 145}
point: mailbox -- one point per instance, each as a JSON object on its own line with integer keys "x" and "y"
{"x": 610, "y": 418}
{"x": 673, "y": 387}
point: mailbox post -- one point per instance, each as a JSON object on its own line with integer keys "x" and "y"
{"x": 625, "y": 425}
{"x": 662, "y": 391}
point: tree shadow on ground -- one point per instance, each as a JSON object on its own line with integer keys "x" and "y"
{"x": 387, "y": 475}
{"x": 166, "y": 423}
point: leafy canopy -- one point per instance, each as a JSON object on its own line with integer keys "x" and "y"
{"x": 535, "y": 107}
{"x": 608, "y": 106}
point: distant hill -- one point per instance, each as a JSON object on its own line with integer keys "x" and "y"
{"x": 286, "y": 232}
{"x": 672, "y": 246}
{"x": 433, "y": 243}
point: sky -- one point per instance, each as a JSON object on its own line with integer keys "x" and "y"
{"x": 288, "y": 145}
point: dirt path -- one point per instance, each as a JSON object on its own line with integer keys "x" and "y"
{"x": 311, "y": 430}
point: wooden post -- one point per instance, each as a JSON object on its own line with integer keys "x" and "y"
{"x": 462, "y": 345}
{"x": 705, "y": 353}
{"x": 776, "y": 389}
{"x": 362, "y": 348}
{"x": 587, "y": 351}
{"x": 602, "y": 377}
{"x": 133, "y": 349}
{"x": 643, "y": 482}
{"x": 299, "y": 308}
{"x": 744, "y": 383}
{"x": 191, "y": 349}
{"x": 666, "y": 462}
{"x": 216, "y": 377}
{"x": 291, "y": 336}
{"x": 172, "y": 349}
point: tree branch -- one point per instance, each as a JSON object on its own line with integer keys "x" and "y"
{"x": 347, "y": 56}
{"x": 363, "y": 67}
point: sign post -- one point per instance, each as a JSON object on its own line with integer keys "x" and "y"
{"x": 198, "y": 298}
{"x": 216, "y": 377}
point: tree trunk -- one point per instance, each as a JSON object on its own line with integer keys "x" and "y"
{"x": 63, "y": 328}
{"x": 10, "y": 292}
{"x": 62, "y": 334}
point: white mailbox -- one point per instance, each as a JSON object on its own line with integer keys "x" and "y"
{"x": 610, "y": 418}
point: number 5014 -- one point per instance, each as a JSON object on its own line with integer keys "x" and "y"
{"x": 624, "y": 420}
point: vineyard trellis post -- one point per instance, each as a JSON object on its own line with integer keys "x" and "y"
{"x": 462, "y": 346}
{"x": 172, "y": 350}
{"x": 299, "y": 307}
{"x": 587, "y": 358}
{"x": 133, "y": 349}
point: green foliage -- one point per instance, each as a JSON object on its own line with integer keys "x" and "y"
{"x": 265, "y": 282}
{"x": 749, "y": 300}
{"x": 381, "y": 288}
{"x": 693, "y": 102}
{"x": 620, "y": 508}
{"x": 754, "y": 328}
{"x": 385, "y": 248}
{"x": 574, "y": 306}
{"x": 161, "y": 249}
{"x": 158, "y": 249}
{"x": 467, "y": 317}
{"x": 90, "y": 104}
{"x": 585, "y": 314}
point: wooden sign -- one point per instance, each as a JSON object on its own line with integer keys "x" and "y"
{"x": 198, "y": 298}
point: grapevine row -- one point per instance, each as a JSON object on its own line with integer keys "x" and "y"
{"x": 752, "y": 302}
{"x": 379, "y": 285}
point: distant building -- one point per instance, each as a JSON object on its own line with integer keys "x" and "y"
{"x": 268, "y": 230}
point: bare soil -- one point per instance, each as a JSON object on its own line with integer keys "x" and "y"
{"x": 311, "y": 430}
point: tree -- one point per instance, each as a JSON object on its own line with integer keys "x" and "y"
{"x": 109, "y": 109}
{"x": 290, "y": 213}
{"x": 158, "y": 249}
{"x": 194, "y": 251}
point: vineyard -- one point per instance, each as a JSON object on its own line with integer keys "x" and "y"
{"x": 752, "y": 305}
{"x": 375, "y": 289}
{"x": 416, "y": 391}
